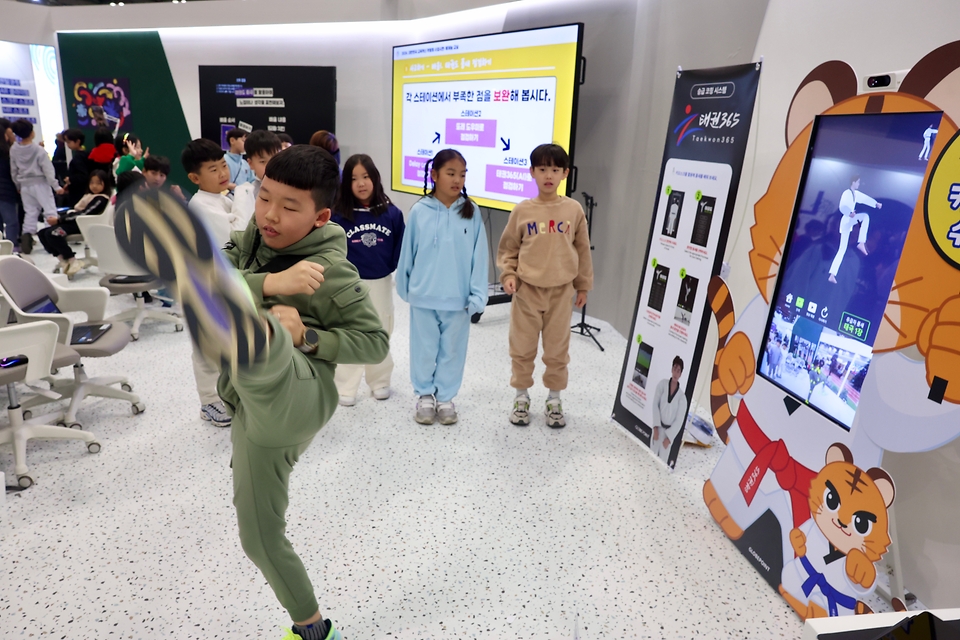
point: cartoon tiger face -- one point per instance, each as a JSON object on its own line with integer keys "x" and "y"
{"x": 923, "y": 280}
{"x": 849, "y": 505}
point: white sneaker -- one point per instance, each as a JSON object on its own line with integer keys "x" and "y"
{"x": 347, "y": 401}
{"x": 554, "y": 414}
{"x": 382, "y": 393}
{"x": 520, "y": 415}
{"x": 73, "y": 267}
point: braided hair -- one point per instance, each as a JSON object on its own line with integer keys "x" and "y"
{"x": 442, "y": 158}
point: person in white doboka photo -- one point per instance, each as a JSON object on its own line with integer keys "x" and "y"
{"x": 848, "y": 204}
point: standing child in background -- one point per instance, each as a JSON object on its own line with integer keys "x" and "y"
{"x": 103, "y": 153}
{"x": 32, "y": 172}
{"x": 544, "y": 258}
{"x": 130, "y": 153}
{"x": 443, "y": 275}
{"x": 9, "y": 199}
{"x": 75, "y": 185}
{"x": 206, "y": 167}
{"x": 239, "y": 169}
{"x": 285, "y": 140}
{"x": 54, "y": 237}
{"x": 374, "y": 228}
{"x": 259, "y": 147}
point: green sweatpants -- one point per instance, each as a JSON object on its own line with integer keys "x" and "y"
{"x": 278, "y": 407}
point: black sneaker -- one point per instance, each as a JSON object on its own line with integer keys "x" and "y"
{"x": 173, "y": 244}
{"x": 26, "y": 244}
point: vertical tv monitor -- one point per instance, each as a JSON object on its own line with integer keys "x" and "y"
{"x": 493, "y": 98}
{"x": 858, "y": 191}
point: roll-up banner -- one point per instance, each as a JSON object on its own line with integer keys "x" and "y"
{"x": 702, "y": 161}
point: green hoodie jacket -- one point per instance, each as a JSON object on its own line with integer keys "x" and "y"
{"x": 340, "y": 310}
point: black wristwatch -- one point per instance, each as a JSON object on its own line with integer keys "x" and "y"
{"x": 310, "y": 341}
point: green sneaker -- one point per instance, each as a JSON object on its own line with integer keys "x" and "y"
{"x": 173, "y": 244}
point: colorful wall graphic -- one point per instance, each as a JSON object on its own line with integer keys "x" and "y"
{"x": 111, "y": 95}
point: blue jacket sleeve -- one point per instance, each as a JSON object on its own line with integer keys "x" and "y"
{"x": 408, "y": 251}
{"x": 479, "y": 275}
{"x": 398, "y": 234}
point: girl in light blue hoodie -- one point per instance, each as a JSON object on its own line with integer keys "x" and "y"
{"x": 443, "y": 275}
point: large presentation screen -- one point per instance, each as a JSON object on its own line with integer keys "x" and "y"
{"x": 494, "y": 98}
{"x": 857, "y": 195}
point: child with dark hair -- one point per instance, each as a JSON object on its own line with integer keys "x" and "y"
{"x": 130, "y": 153}
{"x": 103, "y": 153}
{"x": 443, "y": 275}
{"x": 240, "y": 172}
{"x": 32, "y": 172}
{"x": 155, "y": 170}
{"x": 206, "y": 167}
{"x": 285, "y": 141}
{"x": 259, "y": 147}
{"x": 54, "y": 237}
{"x": 544, "y": 259}
{"x": 374, "y": 228}
{"x": 281, "y": 324}
{"x": 78, "y": 171}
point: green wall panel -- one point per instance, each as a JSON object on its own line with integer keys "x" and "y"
{"x": 155, "y": 112}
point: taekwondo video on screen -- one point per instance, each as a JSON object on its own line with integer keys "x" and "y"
{"x": 857, "y": 195}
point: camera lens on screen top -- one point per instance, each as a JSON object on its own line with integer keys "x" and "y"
{"x": 878, "y": 81}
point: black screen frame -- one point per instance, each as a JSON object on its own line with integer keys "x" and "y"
{"x": 788, "y": 242}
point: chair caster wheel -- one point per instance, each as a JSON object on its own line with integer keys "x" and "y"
{"x": 93, "y": 447}
{"x": 27, "y": 414}
{"x": 126, "y": 387}
{"x": 134, "y": 336}
{"x": 178, "y": 328}
{"x": 24, "y": 482}
{"x": 76, "y": 425}
{"x": 139, "y": 408}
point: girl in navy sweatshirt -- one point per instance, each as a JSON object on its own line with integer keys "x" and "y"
{"x": 374, "y": 228}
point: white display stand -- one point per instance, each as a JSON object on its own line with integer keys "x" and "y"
{"x": 813, "y": 627}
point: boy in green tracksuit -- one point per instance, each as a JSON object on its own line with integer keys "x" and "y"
{"x": 279, "y": 325}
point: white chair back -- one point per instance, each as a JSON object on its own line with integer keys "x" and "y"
{"x": 112, "y": 260}
{"x": 36, "y": 340}
{"x": 85, "y": 222}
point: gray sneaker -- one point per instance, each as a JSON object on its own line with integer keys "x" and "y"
{"x": 426, "y": 410}
{"x": 447, "y": 413}
{"x": 216, "y": 414}
{"x": 521, "y": 411}
{"x": 554, "y": 413}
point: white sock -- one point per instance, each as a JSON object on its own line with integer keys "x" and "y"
{"x": 523, "y": 393}
{"x": 555, "y": 395}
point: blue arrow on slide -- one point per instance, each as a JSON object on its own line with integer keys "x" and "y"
{"x": 506, "y": 144}
{"x": 436, "y": 138}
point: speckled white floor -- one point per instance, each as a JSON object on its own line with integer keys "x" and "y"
{"x": 481, "y": 530}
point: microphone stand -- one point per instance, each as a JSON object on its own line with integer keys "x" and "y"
{"x": 582, "y": 328}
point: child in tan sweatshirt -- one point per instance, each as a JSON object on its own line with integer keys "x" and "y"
{"x": 544, "y": 257}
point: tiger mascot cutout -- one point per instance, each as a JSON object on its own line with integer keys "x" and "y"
{"x": 759, "y": 491}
